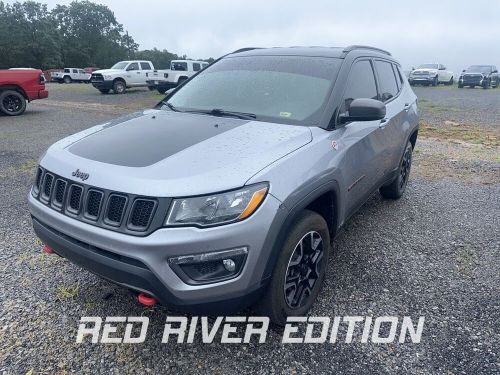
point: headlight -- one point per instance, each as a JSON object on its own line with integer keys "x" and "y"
{"x": 216, "y": 209}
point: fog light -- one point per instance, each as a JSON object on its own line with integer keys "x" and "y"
{"x": 209, "y": 267}
{"x": 229, "y": 265}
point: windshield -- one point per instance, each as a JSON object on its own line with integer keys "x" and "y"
{"x": 284, "y": 89}
{"x": 120, "y": 65}
{"x": 479, "y": 69}
{"x": 428, "y": 66}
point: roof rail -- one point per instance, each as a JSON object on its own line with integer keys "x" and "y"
{"x": 244, "y": 49}
{"x": 354, "y": 47}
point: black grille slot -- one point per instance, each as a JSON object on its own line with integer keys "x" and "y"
{"x": 38, "y": 179}
{"x": 94, "y": 199}
{"x": 142, "y": 211}
{"x": 47, "y": 186}
{"x": 75, "y": 198}
{"x": 116, "y": 207}
{"x": 59, "y": 190}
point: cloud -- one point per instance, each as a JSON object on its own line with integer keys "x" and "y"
{"x": 414, "y": 31}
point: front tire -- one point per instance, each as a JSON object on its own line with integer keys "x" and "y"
{"x": 119, "y": 87}
{"x": 12, "y": 103}
{"x": 486, "y": 84}
{"x": 67, "y": 79}
{"x": 299, "y": 271}
{"x": 435, "y": 81}
{"x": 397, "y": 187}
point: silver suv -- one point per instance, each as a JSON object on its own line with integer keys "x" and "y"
{"x": 230, "y": 191}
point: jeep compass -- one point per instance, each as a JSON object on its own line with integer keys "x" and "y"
{"x": 230, "y": 192}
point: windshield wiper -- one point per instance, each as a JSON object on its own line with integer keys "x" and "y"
{"x": 171, "y": 106}
{"x": 242, "y": 115}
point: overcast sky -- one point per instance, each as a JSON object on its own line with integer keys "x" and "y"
{"x": 415, "y": 32}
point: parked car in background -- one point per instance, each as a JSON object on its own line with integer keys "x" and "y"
{"x": 479, "y": 75}
{"x": 122, "y": 75}
{"x": 179, "y": 72}
{"x": 71, "y": 75}
{"x": 90, "y": 69}
{"x": 431, "y": 74}
{"x": 19, "y": 86}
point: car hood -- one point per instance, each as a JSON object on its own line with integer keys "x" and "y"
{"x": 165, "y": 153}
{"x": 108, "y": 71}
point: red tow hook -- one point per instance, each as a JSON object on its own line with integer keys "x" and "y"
{"x": 47, "y": 249}
{"x": 146, "y": 300}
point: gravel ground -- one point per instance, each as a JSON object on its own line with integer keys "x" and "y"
{"x": 434, "y": 253}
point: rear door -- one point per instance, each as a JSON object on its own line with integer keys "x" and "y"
{"x": 363, "y": 165}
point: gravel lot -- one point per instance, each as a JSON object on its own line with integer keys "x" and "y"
{"x": 434, "y": 253}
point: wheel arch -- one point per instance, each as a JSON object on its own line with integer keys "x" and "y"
{"x": 323, "y": 200}
{"x": 15, "y": 88}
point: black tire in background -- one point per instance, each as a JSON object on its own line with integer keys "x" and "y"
{"x": 486, "y": 84}
{"x": 299, "y": 269}
{"x": 119, "y": 87}
{"x": 435, "y": 81}
{"x": 397, "y": 187}
{"x": 12, "y": 103}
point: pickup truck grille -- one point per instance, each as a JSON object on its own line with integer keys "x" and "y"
{"x": 97, "y": 77}
{"x": 117, "y": 211}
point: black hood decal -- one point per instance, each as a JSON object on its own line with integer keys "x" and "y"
{"x": 148, "y": 139}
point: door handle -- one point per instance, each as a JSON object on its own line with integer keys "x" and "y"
{"x": 383, "y": 123}
{"x": 407, "y": 107}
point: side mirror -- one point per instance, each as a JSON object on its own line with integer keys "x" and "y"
{"x": 495, "y": 71}
{"x": 463, "y": 71}
{"x": 364, "y": 110}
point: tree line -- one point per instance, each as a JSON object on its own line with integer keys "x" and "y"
{"x": 76, "y": 35}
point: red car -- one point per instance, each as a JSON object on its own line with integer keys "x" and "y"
{"x": 19, "y": 86}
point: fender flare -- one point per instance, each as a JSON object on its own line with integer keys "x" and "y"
{"x": 287, "y": 217}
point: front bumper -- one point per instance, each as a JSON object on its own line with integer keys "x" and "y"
{"x": 420, "y": 80}
{"x": 141, "y": 263}
{"x": 471, "y": 81}
{"x": 102, "y": 85}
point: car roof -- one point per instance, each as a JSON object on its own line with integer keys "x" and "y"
{"x": 313, "y": 51}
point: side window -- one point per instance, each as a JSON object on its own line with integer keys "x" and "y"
{"x": 360, "y": 84}
{"x": 133, "y": 66}
{"x": 145, "y": 66}
{"x": 67, "y": 70}
{"x": 196, "y": 67}
{"x": 203, "y": 66}
{"x": 75, "y": 70}
{"x": 387, "y": 80}
{"x": 399, "y": 76}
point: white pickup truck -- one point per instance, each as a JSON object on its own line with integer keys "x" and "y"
{"x": 180, "y": 71}
{"x": 70, "y": 75}
{"x": 122, "y": 75}
{"x": 431, "y": 74}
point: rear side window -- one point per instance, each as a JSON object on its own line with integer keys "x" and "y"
{"x": 387, "y": 80}
{"x": 145, "y": 66}
{"x": 179, "y": 65}
{"x": 360, "y": 84}
{"x": 75, "y": 71}
{"x": 196, "y": 67}
{"x": 67, "y": 70}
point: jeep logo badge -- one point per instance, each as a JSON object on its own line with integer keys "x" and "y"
{"x": 80, "y": 175}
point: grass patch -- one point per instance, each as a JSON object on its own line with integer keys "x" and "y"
{"x": 68, "y": 292}
{"x": 458, "y": 132}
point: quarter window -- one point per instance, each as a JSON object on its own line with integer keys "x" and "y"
{"x": 196, "y": 67}
{"x": 145, "y": 66}
{"x": 360, "y": 84}
{"x": 387, "y": 80}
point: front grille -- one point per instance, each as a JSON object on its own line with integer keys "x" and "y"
{"x": 59, "y": 192}
{"x": 206, "y": 267}
{"x": 47, "y": 186}
{"x": 94, "y": 199}
{"x": 117, "y": 211}
{"x": 75, "y": 198}
{"x": 142, "y": 212}
{"x": 97, "y": 77}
